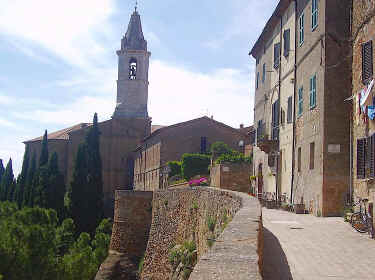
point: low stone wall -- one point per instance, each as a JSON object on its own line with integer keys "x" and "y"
{"x": 182, "y": 214}
{"x": 238, "y": 252}
{"x": 231, "y": 176}
{"x": 130, "y": 232}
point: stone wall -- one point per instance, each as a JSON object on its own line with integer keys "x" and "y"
{"x": 231, "y": 176}
{"x": 180, "y": 215}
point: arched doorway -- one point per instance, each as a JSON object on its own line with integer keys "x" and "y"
{"x": 260, "y": 181}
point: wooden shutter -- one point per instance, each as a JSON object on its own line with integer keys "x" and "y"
{"x": 276, "y": 55}
{"x": 367, "y": 62}
{"x": 361, "y": 158}
{"x": 371, "y": 155}
{"x": 290, "y": 110}
{"x": 286, "y": 36}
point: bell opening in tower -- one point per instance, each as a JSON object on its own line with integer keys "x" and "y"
{"x": 132, "y": 69}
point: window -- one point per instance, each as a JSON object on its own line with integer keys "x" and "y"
{"x": 264, "y": 73}
{"x": 132, "y": 69}
{"x": 361, "y": 158}
{"x": 276, "y": 55}
{"x": 371, "y": 155}
{"x": 275, "y": 120}
{"x": 312, "y": 155}
{"x": 257, "y": 81}
{"x": 252, "y": 137}
{"x": 299, "y": 160}
{"x": 260, "y": 130}
{"x": 314, "y": 14}
{"x": 290, "y": 110}
{"x": 301, "y": 27}
{"x": 367, "y": 62}
{"x": 300, "y": 101}
{"x": 313, "y": 92}
{"x": 203, "y": 145}
{"x": 286, "y": 36}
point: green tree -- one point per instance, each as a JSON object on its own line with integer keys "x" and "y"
{"x": 65, "y": 236}
{"x": 2, "y": 170}
{"x": 21, "y": 180}
{"x": 56, "y": 187}
{"x": 77, "y": 202}
{"x": 194, "y": 164}
{"x": 43, "y": 160}
{"x": 219, "y": 148}
{"x": 28, "y": 196}
{"x": 7, "y": 182}
{"x": 94, "y": 178}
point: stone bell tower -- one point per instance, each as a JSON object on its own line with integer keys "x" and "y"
{"x": 133, "y": 63}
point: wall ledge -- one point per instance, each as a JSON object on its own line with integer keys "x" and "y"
{"x": 235, "y": 253}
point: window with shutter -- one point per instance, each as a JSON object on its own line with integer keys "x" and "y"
{"x": 257, "y": 81}
{"x": 299, "y": 159}
{"x": 313, "y": 92}
{"x": 314, "y": 14}
{"x": 301, "y": 28}
{"x": 300, "y": 101}
{"x": 367, "y": 62}
{"x": 276, "y": 55}
{"x": 290, "y": 110}
{"x": 264, "y": 73}
{"x": 312, "y": 155}
{"x": 361, "y": 158}
{"x": 371, "y": 155}
{"x": 286, "y": 36}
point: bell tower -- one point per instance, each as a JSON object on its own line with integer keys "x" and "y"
{"x": 133, "y": 63}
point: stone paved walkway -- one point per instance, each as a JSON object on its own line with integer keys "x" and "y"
{"x": 304, "y": 247}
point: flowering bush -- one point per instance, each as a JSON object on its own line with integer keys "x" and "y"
{"x": 199, "y": 182}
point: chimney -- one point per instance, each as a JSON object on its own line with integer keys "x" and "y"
{"x": 241, "y": 125}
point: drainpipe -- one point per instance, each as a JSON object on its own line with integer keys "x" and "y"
{"x": 278, "y": 172}
{"x": 294, "y": 99}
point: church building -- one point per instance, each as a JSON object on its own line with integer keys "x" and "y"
{"x": 129, "y": 131}
{"x": 123, "y": 133}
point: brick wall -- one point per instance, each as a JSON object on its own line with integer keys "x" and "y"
{"x": 175, "y": 219}
{"x": 231, "y": 176}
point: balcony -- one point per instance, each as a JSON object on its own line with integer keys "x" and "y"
{"x": 267, "y": 145}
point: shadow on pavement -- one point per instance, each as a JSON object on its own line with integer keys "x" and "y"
{"x": 275, "y": 264}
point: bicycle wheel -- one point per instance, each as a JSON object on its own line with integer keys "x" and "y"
{"x": 358, "y": 223}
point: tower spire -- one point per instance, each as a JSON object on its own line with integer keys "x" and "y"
{"x": 136, "y": 5}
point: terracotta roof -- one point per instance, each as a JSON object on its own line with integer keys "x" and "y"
{"x": 164, "y": 128}
{"x": 156, "y": 127}
{"x": 62, "y": 134}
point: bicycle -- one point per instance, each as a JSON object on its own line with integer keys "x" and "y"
{"x": 362, "y": 221}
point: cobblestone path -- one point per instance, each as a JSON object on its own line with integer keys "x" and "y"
{"x": 304, "y": 247}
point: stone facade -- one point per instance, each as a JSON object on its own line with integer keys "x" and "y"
{"x": 362, "y": 186}
{"x": 231, "y": 176}
{"x": 317, "y": 164}
{"x": 170, "y": 143}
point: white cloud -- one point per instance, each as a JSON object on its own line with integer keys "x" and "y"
{"x": 6, "y": 123}
{"x": 177, "y": 95}
{"x": 61, "y": 27}
{"x": 6, "y": 100}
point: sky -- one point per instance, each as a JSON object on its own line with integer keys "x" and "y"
{"x": 58, "y": 62}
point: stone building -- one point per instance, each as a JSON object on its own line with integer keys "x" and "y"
{"x": 123, "y": 133}
{"x": 363, "y": 124}
{"x": 171, "y": 142}
{"x": 311, "y": 153}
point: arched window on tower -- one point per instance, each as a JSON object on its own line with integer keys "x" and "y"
{"x": 133, "y": 69}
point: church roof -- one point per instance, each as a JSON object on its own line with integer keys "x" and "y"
{"x": 134, "y": 39}
{"x": 62, "y": 134}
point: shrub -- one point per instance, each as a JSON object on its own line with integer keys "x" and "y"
{"x": 235, "y": 157}
{"x": 140, "y": 265}
{"x": 211, "y": 223}
{"x": 220, "y": 148}
{"x": 175, "y": 167}
{"x": 194, "y": 164}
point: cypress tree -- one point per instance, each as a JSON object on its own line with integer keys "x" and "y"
{"x": 7, "y": 182}
{"x": 21, "y": 180}
{"x": 43, "y": 160}
{"x": 28, "y": 195}
{"x": 56, "y": 187}
{"x": 41, "y": 177}
{"x": 2, "y": 170}
{"x": 77, "y": 202}
{"x": 95, "y": 179}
